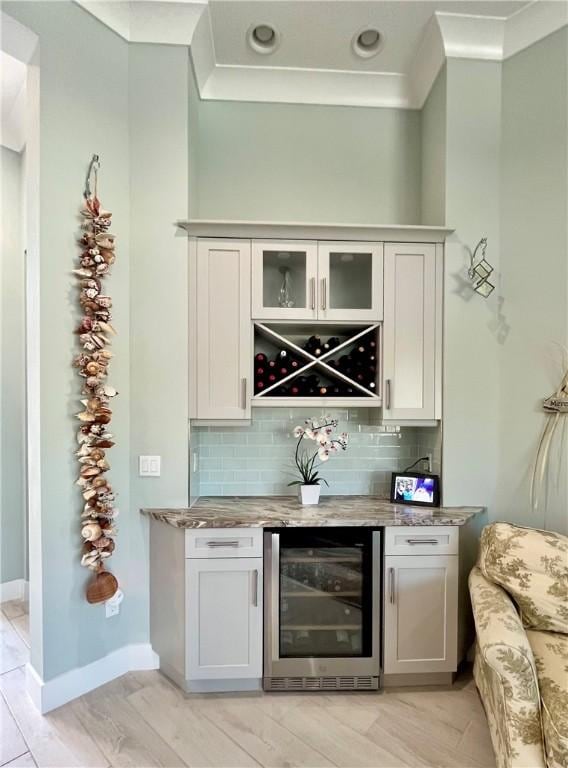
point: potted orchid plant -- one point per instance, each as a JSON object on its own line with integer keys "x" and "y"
{"x": 308, "y": 463}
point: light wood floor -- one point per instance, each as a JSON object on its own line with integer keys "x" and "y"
{"x": 142, "y": 720}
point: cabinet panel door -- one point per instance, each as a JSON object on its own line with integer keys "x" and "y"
{"x": 420, "y": 616}
{"x": 409, "y": 332}
{"x": 350, "y": 281}
{"x": 224, "y": 335}
{"x": 224, "y": 618}
{"x": 284, "y": 280}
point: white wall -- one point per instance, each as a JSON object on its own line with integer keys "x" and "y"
{"x": 12, "y": 368}
{"x": 298, "y": 162}
{"x": 534, "y": 263}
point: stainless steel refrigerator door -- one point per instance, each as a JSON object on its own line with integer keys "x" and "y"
{"x": 274, "y": 665}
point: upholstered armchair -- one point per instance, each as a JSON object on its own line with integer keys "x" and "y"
{"x": 519, "y": 594}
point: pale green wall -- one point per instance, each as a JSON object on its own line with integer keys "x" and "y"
{"x": 158, "y": 286}
{"x": 84, "y": 109}
{"x": 433, "y": 176}
{"x": 12, "y": 368}
{"x": 298, "y": 162}
{"x": 471, "y": 347}
{"x": 534, "y": 261}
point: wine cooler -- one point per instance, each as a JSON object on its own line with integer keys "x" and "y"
{"x": 322, "y": 609}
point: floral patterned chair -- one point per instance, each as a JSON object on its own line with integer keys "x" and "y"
{"x": 519, "y": 593}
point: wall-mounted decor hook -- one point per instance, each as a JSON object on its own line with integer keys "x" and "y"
{"x": 92, "y": 171}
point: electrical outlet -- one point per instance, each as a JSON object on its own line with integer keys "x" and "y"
{"x": 111, "y": 609}
{"x": 149, "y": 466}
{"x": 112, "y": 606}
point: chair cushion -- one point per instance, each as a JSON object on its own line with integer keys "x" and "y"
{"x": 550, "y": 650}
{"x": 532, "y": 566}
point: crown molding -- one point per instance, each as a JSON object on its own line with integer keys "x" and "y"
{"x": 447, "y": 36}
{"x": 533, "y": 23}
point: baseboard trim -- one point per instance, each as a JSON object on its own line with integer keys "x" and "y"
{"x": 13, "y": 590}
{"x": 50, "y": 694}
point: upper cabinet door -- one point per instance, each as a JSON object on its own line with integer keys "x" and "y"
{"x": 350, "y": 281}
{"x": 223, "y": 335}
{"x": 284, "y": 280}
{"x": 411, "y": 344}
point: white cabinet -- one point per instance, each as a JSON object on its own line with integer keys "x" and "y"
{"x": 284, "y": 280}
{"x": 305, "y": 280}
{"x": 220, "y": 330}
{"x": 420, "y": 613}
{"x": 224, "y": 618}
{"x": 350, "y": 279}
{"x": 412, "y": 333}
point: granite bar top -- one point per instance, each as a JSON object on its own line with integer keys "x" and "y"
{"x": 286, "y": 511}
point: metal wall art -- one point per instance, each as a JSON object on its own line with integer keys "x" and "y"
{"x": 94, "y": 332}
{"x": 555, "y": 407}
{"x": 480, "y": 271}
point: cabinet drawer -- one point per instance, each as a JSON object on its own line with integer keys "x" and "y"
{"x": 223, "y": 542}
{"x": 429, "y": 540}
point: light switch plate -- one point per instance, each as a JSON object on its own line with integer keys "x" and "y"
{"x": 149, "y": 466}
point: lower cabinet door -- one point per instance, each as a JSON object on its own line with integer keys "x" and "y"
{"x": 224, "y": 618}
{"x": 420, "y": 613}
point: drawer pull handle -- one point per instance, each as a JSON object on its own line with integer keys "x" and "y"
{"x": 422, "y": 541}
{"x": 391, "y": 586}
{"x": 223, "y": 543}
{"x": 388, "y": 395}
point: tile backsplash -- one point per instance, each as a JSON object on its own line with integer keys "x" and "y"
{"x": 258, "y": 459}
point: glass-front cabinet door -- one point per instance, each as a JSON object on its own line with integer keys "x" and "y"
{"x": 284, "y": 280}
{"x": 350, "y": 281}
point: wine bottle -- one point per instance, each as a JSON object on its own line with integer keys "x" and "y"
{"x": 272, "y": 363}
{"x": 323, "y": 391}
{"x": 260, "y": 371}
{"x": 283, "y": 371}
{"x": 331, "y": 343}
{"x": 344, "y": 362}
{"x": 294, "y": 364}
{"x": 295, "y": 390}
{"x": 259, "y": 385}
{"x": 271, "y": 378}
{"x": 260, "y": 358}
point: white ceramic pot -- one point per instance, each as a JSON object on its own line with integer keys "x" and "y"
{"x": 309, "y": 494}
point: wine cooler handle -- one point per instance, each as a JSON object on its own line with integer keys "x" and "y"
{"x": 324, "y": 293}
{"x": 244, "y": 393}
{"x": 387, "y": 394}
{"x": 313, "y": 292}
{"x": 391, "y": 586}
{"x": 422, "y": 541}
{"x": 220, "y": 543}
{"x": 255, "y": 588}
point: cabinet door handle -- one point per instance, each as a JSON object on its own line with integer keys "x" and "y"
{"x": 313, "y": 292}
{"x": 223, "y": 543}
{"x": 244, "y": 393}
{"x": 391, "y": 586}
{"x": 388, "y": 394}
{"x": 255, "y": 587}
{"x": 422, "y": 541}
{"x": 324, "y": 293}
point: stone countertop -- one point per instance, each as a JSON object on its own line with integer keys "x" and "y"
{"x": 286, "y": 511}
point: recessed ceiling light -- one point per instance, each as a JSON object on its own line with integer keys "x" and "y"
{"x": 367, "y": 42}
{"x": 263, "y": 38}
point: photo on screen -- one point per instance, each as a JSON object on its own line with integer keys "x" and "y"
{"x": 415, "y": 488}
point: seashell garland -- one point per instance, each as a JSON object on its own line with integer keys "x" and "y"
{"x": 94, "y": 333}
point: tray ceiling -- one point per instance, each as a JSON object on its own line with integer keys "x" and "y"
{"x": 314, "y": 61}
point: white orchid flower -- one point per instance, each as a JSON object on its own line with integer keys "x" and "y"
{"x": 309, "y": 434}
{"x": 321, "y": 438}
{"x": 323, "y": 454}
{"x": 298, "y": 431}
